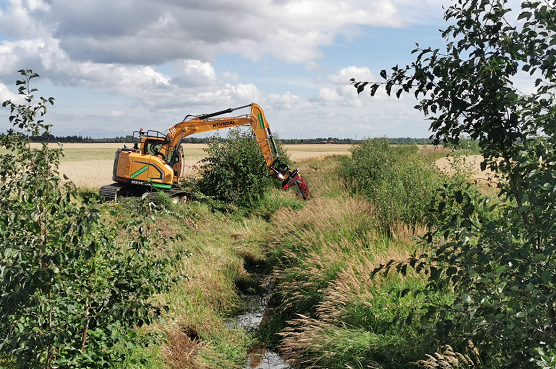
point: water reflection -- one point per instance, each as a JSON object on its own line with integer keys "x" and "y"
{"x": 259, "y": 357}
{"x": 268, "y": 359}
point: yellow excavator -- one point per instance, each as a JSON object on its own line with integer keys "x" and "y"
{"x": 155, "y": 162}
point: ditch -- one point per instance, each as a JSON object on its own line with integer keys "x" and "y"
{"x": 260, "y": 357}
{"x": 257, "y": 311}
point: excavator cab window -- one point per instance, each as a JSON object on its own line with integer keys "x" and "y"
{"x": 154, "y": 147}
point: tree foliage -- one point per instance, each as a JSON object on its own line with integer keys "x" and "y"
{"x": 499, "y": 257}
{"x": 234, "y": 169}
{"x": 69, "y": 295}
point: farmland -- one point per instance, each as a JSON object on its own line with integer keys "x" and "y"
{"x": 90, "y": 165}
{"x": 317, "y": 255}
{"x": 323, "y": 310}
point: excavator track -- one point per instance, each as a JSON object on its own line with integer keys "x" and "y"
{"x": 110, "y": 192}
{"x": 114, "y": 191}
{"x": 175, "y": 195}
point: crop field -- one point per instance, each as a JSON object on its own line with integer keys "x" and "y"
{"x": 334, "y": 240}
{"x": 89, "y": 165}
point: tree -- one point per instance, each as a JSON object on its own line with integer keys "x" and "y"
{"x": 69, "y": 295}
{"x": 499, "y": 258}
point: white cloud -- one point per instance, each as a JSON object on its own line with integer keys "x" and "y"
{"x": 163, "y": 57}
{"x": 114, "y": 114}
{"x": 328, "y": 95}
{"x": 6, "y": 94}
{"x": 343, "y": 76}
{"x": 229, "y": 76}
{"x": 344, "y": 94}
{"x": 246, "y": 92}
{"x": 193, "y": 73}
{"x": 312, "y": 65}
{"x": 287, "y": 101}
{"x": 108, "y": 46}
{"x": 153, "y": 32}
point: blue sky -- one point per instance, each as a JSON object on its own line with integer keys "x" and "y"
{"x": 117, "y": 66}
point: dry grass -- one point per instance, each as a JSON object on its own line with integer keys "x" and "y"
{"x": 446, "y": 358}
{"x": 307, "y": 340}
{"x": 434, "y": 149}
{"x": 180, "y": 350}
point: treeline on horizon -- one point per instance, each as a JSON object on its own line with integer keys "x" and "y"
{"x": 288, "y": 141}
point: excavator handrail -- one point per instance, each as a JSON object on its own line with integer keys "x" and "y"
{"x": 210, "y": 115}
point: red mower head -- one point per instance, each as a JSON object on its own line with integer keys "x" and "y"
{"x": 299, "y": 183}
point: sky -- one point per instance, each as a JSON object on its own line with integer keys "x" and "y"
{"x": 115, "y": 66}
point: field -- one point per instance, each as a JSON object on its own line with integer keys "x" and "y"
{"x": 89, "y": 166}
{"x": 471, "y": 164}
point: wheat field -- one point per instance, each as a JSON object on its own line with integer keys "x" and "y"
{"x": 89, "y": 165}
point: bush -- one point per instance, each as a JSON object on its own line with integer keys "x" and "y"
{"x": 69, "y": 295}
{"x": 234, "y": 170}
{"x": 395, "y": 178}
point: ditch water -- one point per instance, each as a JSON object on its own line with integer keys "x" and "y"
{"x": 259, "y": 357}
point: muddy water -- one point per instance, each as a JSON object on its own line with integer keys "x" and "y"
{"x": 259, "y": 357}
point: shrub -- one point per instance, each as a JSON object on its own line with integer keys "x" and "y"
{"x": 69, "y": 296}
{"x": 395, "y": 178}
{"x": 234, "y": 169}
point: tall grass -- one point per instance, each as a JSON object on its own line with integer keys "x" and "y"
{"x": 333, "y": 314}
{"x": 197, "y": 331}
{"x": 327, "y": 310}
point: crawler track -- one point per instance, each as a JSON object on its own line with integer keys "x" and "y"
{"x": 114, "y": 191}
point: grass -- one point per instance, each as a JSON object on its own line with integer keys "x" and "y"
{"x": 198, "y": 329}
{"x": 327, "y": 311}
{"x": 196, "y": 325}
